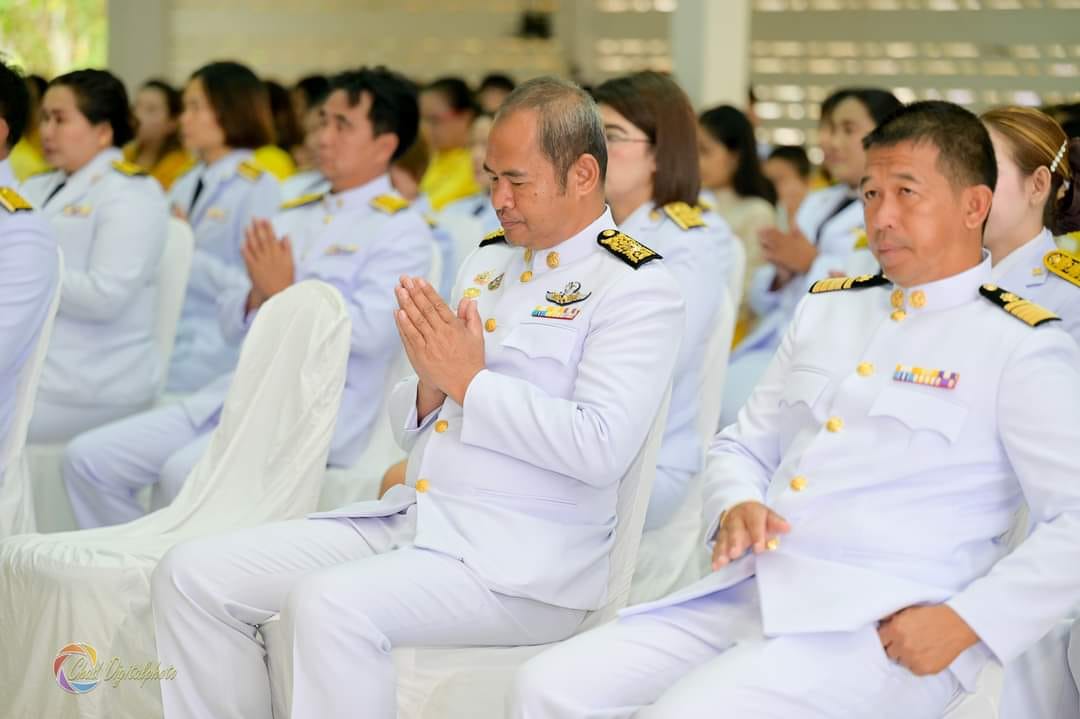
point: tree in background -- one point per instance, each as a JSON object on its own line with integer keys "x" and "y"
{"x": 50, "y": 37}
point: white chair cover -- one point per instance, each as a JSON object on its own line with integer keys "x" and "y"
{"x": 674, "y": 555}
{"x": 265, "y": 462}
{"x": 16, "y": 495}
{"x": 46, "y": 460}
{"x": 473, "y": 682}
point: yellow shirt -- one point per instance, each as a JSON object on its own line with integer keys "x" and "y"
{"x": 449, "y": 177}
{"x": 26, "y": 160}
{"x": 275, "y": 161}
{"x": 167, "y": 169}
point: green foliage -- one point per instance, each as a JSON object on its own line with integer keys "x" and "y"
{"x": 51, "y": 37}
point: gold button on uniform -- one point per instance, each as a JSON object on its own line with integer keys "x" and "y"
{"x": 897, "y": 298}
{"x": 441, "y": 426}
{"x": 526, "y": 276}
{"x": 918, "y": 299}
{"x": 422, "y": 486}
{"x": 835, "y": 424}
{"x": 798, "y": 483}
{"x": 865, "y": 369}
{"x": 491, "y": 324}
{"x": 472, "y": 293}
{"x": 898, "y": 315}
{"x": 528, "y": 255}
{"x": 772, "y": 544}
{"x": 553, "y": 260}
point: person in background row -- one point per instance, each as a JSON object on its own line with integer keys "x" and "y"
{"x": 652, "y": 189}
{"x": 226, "y": 117}
{"x": 788, "y": 169}
{"x": 735, "y": 188}
{"x": 288, "y": 133}
{"x": 1035, "y": 199}
{"x": 828, "y": 233}
{"x": 492, "y": 91}
{"x": 29, "y": 266}
{"x": 109, "y": 218}
{"x": 157, "y": 147}
{"x": 308, "y": 179}
{"x": 26, "y": 158}
{"x": 308, "y": 92}
{"x": 446, "y": 113}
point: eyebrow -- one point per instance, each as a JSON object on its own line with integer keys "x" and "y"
{"x": 906, "y": 176}
{"x": 508, "y": 173}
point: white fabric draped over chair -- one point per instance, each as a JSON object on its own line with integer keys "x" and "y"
{"x": 265, "y": 463}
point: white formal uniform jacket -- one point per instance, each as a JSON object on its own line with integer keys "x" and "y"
{"x": 699, "y": 257}
{"x": 111, "y": 226}
{"x": 361, "y": 241}
{"x": 28, "y": 276}
{"x": 898, "y": 488}
{"x": 465, "y": 220}
{"x": 234, "y": 193}
{"x": 308, "y": 182}
{"x": 838, "y": 237}
{"x": 520, "y": 482}
{"x": 1027, "y": 271}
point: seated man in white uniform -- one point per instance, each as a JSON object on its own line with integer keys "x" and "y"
{"x": 529, "y": 407}
{"x": 858, "y": 502}
{"x": 28, "y": 260}
{"x": 359, "y": 238}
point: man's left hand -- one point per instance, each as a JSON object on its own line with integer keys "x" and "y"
{"x": 445, "y": 348}
{"x": 790, "y": 251}
{"x": 925, "y": 639}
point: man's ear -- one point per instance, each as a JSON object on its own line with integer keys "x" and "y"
{"x": 584, "y": 175}
{"x": 5, "y": 131}
{"x": 384, "y": 147}
{"x": 975, "y": 205}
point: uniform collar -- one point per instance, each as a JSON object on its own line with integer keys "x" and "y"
{"x": 7, "y": 177}
{"x": 941, "y": 294}
{"x": 1027, "y": 259}
{"x": 92, "y": 171}
{"x": 583, "y": 243}
{"x": 357, "y": 197}
{"x": 645, "y": 217}
{"x": 224, "y": 167}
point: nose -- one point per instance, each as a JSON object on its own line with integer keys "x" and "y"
{"x": 501, "y": 196}
{"x": 884, "y": 214}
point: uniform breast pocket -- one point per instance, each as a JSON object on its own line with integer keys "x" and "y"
{"x": 801, "y": 400}
{"x": 539, "y": 340}
{"x": 934, "y": 423}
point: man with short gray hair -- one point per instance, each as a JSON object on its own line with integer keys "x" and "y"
{"x": 533, "y": 394}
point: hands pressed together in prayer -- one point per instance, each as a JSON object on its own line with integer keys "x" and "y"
{"x": 790, "y": 252}
{"x": 445, "y": 349}
{"x": 269, "y": 262}
{"x": 924, "y": 639}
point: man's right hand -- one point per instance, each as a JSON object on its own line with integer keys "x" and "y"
{"x": 744, "y": 526}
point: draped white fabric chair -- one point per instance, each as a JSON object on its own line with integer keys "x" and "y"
{"x": 674, "y": 556}
{"x": 46, "y": 460}
{"x": 16, "y": 494}
{"x": 265, "y": 463}
{"x": 473, "y": 682}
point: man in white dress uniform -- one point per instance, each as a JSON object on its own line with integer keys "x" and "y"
{"x": 532, "y": 398}
{"x": 858, "y": 503}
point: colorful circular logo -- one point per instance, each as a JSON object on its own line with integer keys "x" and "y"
{"x": 75, "y": 668}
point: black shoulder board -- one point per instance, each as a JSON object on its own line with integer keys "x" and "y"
{"x": 626, "y": 248}
{"x": 835, "y": 284}
{"x": 493, "y": 238}
{"x": 1023, "y": 310}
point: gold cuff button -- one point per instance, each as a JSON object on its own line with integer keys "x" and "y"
{"x": 441, "y": 426}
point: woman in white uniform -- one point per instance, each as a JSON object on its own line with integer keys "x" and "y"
{"x": 829, "y": 226}
{"x": 652, "y": 187}
{"x": 1035, "y": 199}
{"x": 226, "y": 117}
{"x": 109, "y": 219}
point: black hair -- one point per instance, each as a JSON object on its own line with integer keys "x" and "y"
{"x": 14, "y": 103}
{"x": 101, "y": 98}
{"x": 879, "y": 103}
{"x": 795, "y": 155}
{"x": 497, "y": 81}
{"x": 314, "y": 88}
{"x": 393, "y": 102}
{"x": 966, "y": 154}
{"x": 731, "y": 128}
{"x": 456, "y": 91}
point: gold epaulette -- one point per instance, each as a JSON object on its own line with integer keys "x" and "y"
{"x": 129, "y": 168}
{"x": 685, "y": 216}
{"x": 1023, "y": 310}
{"x": 12, "y": 201}
{"x": 302, "y": 200}
{"x": 390, "y": 204}
{"x": 495, "y": 237}
{"x": 249, "y": 170}
{"x": 835, "y": 284}
{"x": 1063, "y": 264}
{"x": 626, "y": 248}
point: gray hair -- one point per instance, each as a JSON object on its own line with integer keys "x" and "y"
{"x": 568, "y": 124}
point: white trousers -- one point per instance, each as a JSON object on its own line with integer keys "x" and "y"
{"x": 710, "y": 658}
{"x": 54, "y": 423}
{"x": 348, "y": 591}
{"x": 105, "y": 468}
